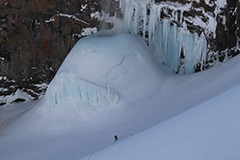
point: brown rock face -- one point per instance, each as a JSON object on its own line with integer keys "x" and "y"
{"x": 226, "y": 43}
{"x": 36, "y": 36}
{"x": 228, "y": 34}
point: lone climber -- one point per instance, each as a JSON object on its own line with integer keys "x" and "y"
{"x": 116, "y": 137}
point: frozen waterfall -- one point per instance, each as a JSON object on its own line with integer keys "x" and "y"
{"x": 172, "y": 44}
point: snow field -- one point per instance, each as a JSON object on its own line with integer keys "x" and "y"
{"x": 209, "y": 131}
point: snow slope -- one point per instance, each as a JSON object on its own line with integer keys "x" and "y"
{"x": 209, "y": 131}
{"x": 107, "y": 86}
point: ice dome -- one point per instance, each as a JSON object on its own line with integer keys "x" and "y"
{"x": 104, "y": 71}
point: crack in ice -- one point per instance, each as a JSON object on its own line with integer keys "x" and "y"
{"x": 118, "y": 65}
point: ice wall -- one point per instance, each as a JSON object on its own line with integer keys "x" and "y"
{"x": 68, "y": 88}
{"x": 163, "y": 28}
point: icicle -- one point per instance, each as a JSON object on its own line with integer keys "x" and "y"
{"x": 164, "y": 37}
{"x": 144, "y": 14}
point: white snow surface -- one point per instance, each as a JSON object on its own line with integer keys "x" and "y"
{"x": 111, "y": 85}
{"x": 209, "y": 131}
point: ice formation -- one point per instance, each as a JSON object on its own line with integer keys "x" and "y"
{"x": 100, "y": 70}
{"x": 80, "y": 90}
{"x": 172, "y": 45}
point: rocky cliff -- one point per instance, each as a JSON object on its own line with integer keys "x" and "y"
{"x": 35, "y": 37}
